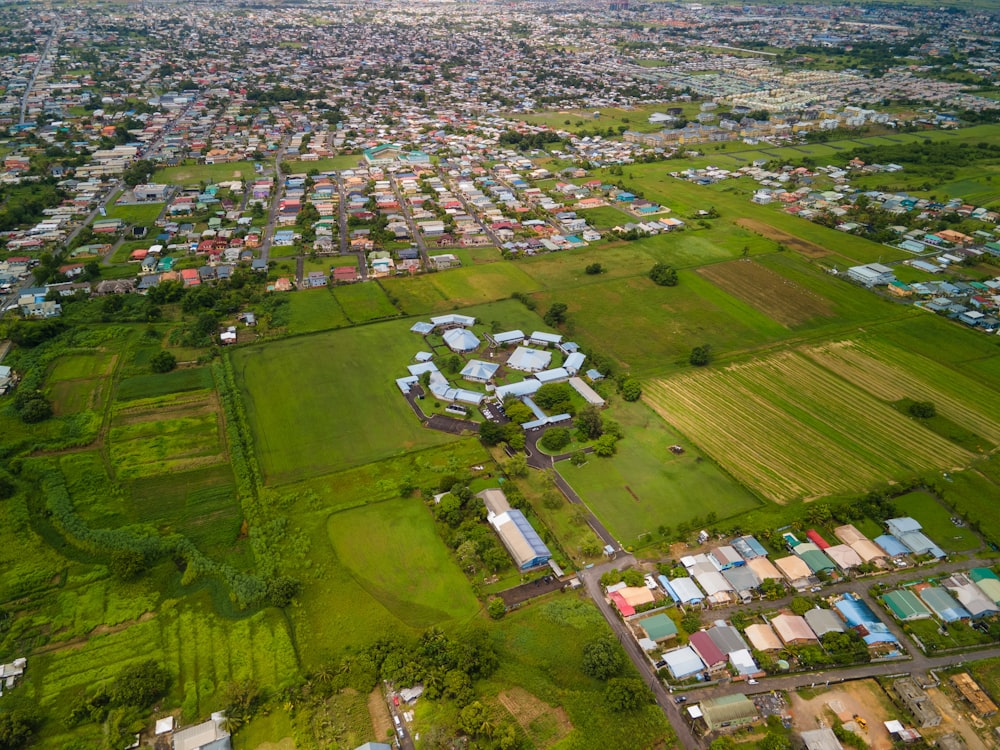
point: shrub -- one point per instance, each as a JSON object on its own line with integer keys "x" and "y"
{"x": 663, "y": 275}
{"x": 163, "y": 361}
{"x": 922, "y": 410}
{"x": 556, "y": 438}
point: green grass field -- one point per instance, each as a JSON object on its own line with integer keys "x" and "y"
{"x": 161, "y": 384}
{"x": 364, "y": 302}
{"x": 634, "y": 118}
{"x": 405, "y": 568}
{"x": 346, "y": 161}
{"x": 193, "y": 174}
{"x": 326, "y": 402}
{"x": 645, "y": 486}
{"x": 315, "y": 310}
{"x": 143, "y": 215}
{"x": 451, "y": 290}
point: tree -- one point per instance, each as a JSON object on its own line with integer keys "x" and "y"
{"x": 556, "y": 314}
{"x": 453, "y": 364}
{"x": 800, "y": 605}
{"x": 139, "y": 684}
{"x": 922, "y": 410}
{"x": 605, "y": 446}
{"x": 163, "y": 361}
{"x": 496, "y": 608}
{"x": 589, "y": 424}
{"x": 631, "y": 389}
{"x": 663, "y": 275}
{"x": 594, "y": 269}
{"x": 602, "y": 658}
{"x": 491, "y": 433}
{"x": 518, "y": 412}
{"x": 700, "y": 355}
{"x": 36, "y": 408}
{"x": 579, "y": 458}
{"x": 556, "y": 438}
{"x": 17, "y": 726}
{"x": 626, "y": 694}
{"x": 516, "y": 466}
{"x": 127, "y": 564}
{"x": 281, "y": 591}
{"x": 723, "y": 743}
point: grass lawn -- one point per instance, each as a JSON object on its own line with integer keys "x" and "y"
{"x": 364, "y": 302}
{"x": 193, "y": 174}
{"x": 345, "y": 161}
{"x": 645, "y": 486}
{"x": 936, "y": 521}
{"x": 75, "y": 366}
{"x": 327, "y": 402}
{"x": 605, "y": 217}
{"x": 457, "y": 288}
{"x": 143, "y": 215}
{"x": 312, "y": 310}
{"x": 633, "y": 118}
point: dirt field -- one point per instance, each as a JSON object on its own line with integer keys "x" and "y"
{"x": 863, "y": 698}
{"x": 954, "y": 721}
{"x": 379, "y": 711}
{"x": 808, "y": 249}
{"x": 544, "y": 724}
{"x": 777, "y": 297}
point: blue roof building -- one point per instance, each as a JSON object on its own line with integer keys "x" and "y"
{"x": 892, "y": 546}
{"x": 943, "y": 604}
{"x": 859, "y": 615}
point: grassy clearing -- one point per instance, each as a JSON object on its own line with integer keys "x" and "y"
{"x": 327, "y": 402}
{"x": 143, "y": 215}
{"x": 406, "y": 569}
{"x": 605, "y": 217}
{"x": 461, "y": 287}
{"x": 936, "y": 520}
{"x": 364, "y": 302}
{"x": 574, "y": 120}
{"x": 193, "y": 174}
{"x": 541, "y": 652}
{"x": 345, "y": 161}
{"x": 76, "y": 366}
{"x": 973, "y": 492}
{"x": 645, "y": 486}
{"x": 315, "y": 310}
{"x": 664, "y": 323}
{"x": 766, "y": 421}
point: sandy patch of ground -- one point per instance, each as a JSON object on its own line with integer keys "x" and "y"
{"x": 863, "y": 698}
{"x": 379, "y": 711}
{"x": 808, "y": 249}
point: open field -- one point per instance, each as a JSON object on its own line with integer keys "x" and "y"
{"x": 364, "y": 302}
{"x": 645, "y": 486}
{"x": 635, "y": 118}
{"x": 326, "y": 402}
{"x": 767, "y": 291}
{"x": 767, "y": 421}
{"x": 139, "y": 214}
{"x": 192, "y": 174}
{"x": 346, "y": 161}
{"x": 405, "y": 568}
{"x": 451, "y": 290}
{"x": 160, "y": 384}
{"x": 808, "y": 249}
{"x": 315, "y": 310}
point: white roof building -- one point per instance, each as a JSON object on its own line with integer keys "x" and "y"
{"x": 529, "y": 360}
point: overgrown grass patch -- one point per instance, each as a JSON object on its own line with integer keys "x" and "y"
{"x": 364, "y": 302}
{"x": 936, "y": 522}
{"x": 162, "y": 384}
{"x": 314, "y": 310}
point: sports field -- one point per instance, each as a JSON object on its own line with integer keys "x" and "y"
{"x": 791, "y": 428}
{"x": 645, "y": 486}
{"x": 326, "y": 402}
{"x": 192, "y": 174}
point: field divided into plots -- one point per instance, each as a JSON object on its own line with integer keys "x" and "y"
{"x": 821, "y": 421}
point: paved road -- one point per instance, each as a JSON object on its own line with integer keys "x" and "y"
{"x": 345, "y": 230}
{"x": 272, "y": 211}
{"x": 591, "y": 580}
{"x": 418, "y": 238}
{"x": 471, "y": 212}
{"x": 34, "y": 74}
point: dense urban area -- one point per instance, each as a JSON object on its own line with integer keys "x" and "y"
{"x": 527, "y": 375}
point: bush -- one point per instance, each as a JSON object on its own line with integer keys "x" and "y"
{"x": 556, "y": 438}
{"x": 700, "y": 355}
{"x": 602, "y": 659}
{"x": 496, "y": 608}
{"x": 163, "y": 361}
{"x": 594, "y": 269}
{"x": 922, "y": 410}
{"x": 662, "y": 274}
{"x": 631, "y": 390}
{"x": 35, "y": 409}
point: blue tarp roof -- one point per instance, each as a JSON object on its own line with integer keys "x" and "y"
{"x": 749, "y": 548}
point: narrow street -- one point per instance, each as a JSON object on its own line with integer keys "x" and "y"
{"x": 418, "y": 238}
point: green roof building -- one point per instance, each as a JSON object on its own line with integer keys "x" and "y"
{"x": 659, "y": 627}
{"x": 728, "y": 712}
{"x": 906, "y": 606}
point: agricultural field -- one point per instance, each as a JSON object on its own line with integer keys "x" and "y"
{"x": 165, "y": 434}
{"x": 329, "y": 401}
{"x": 645, "y": 487}
{"x": 766, "y": 421}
